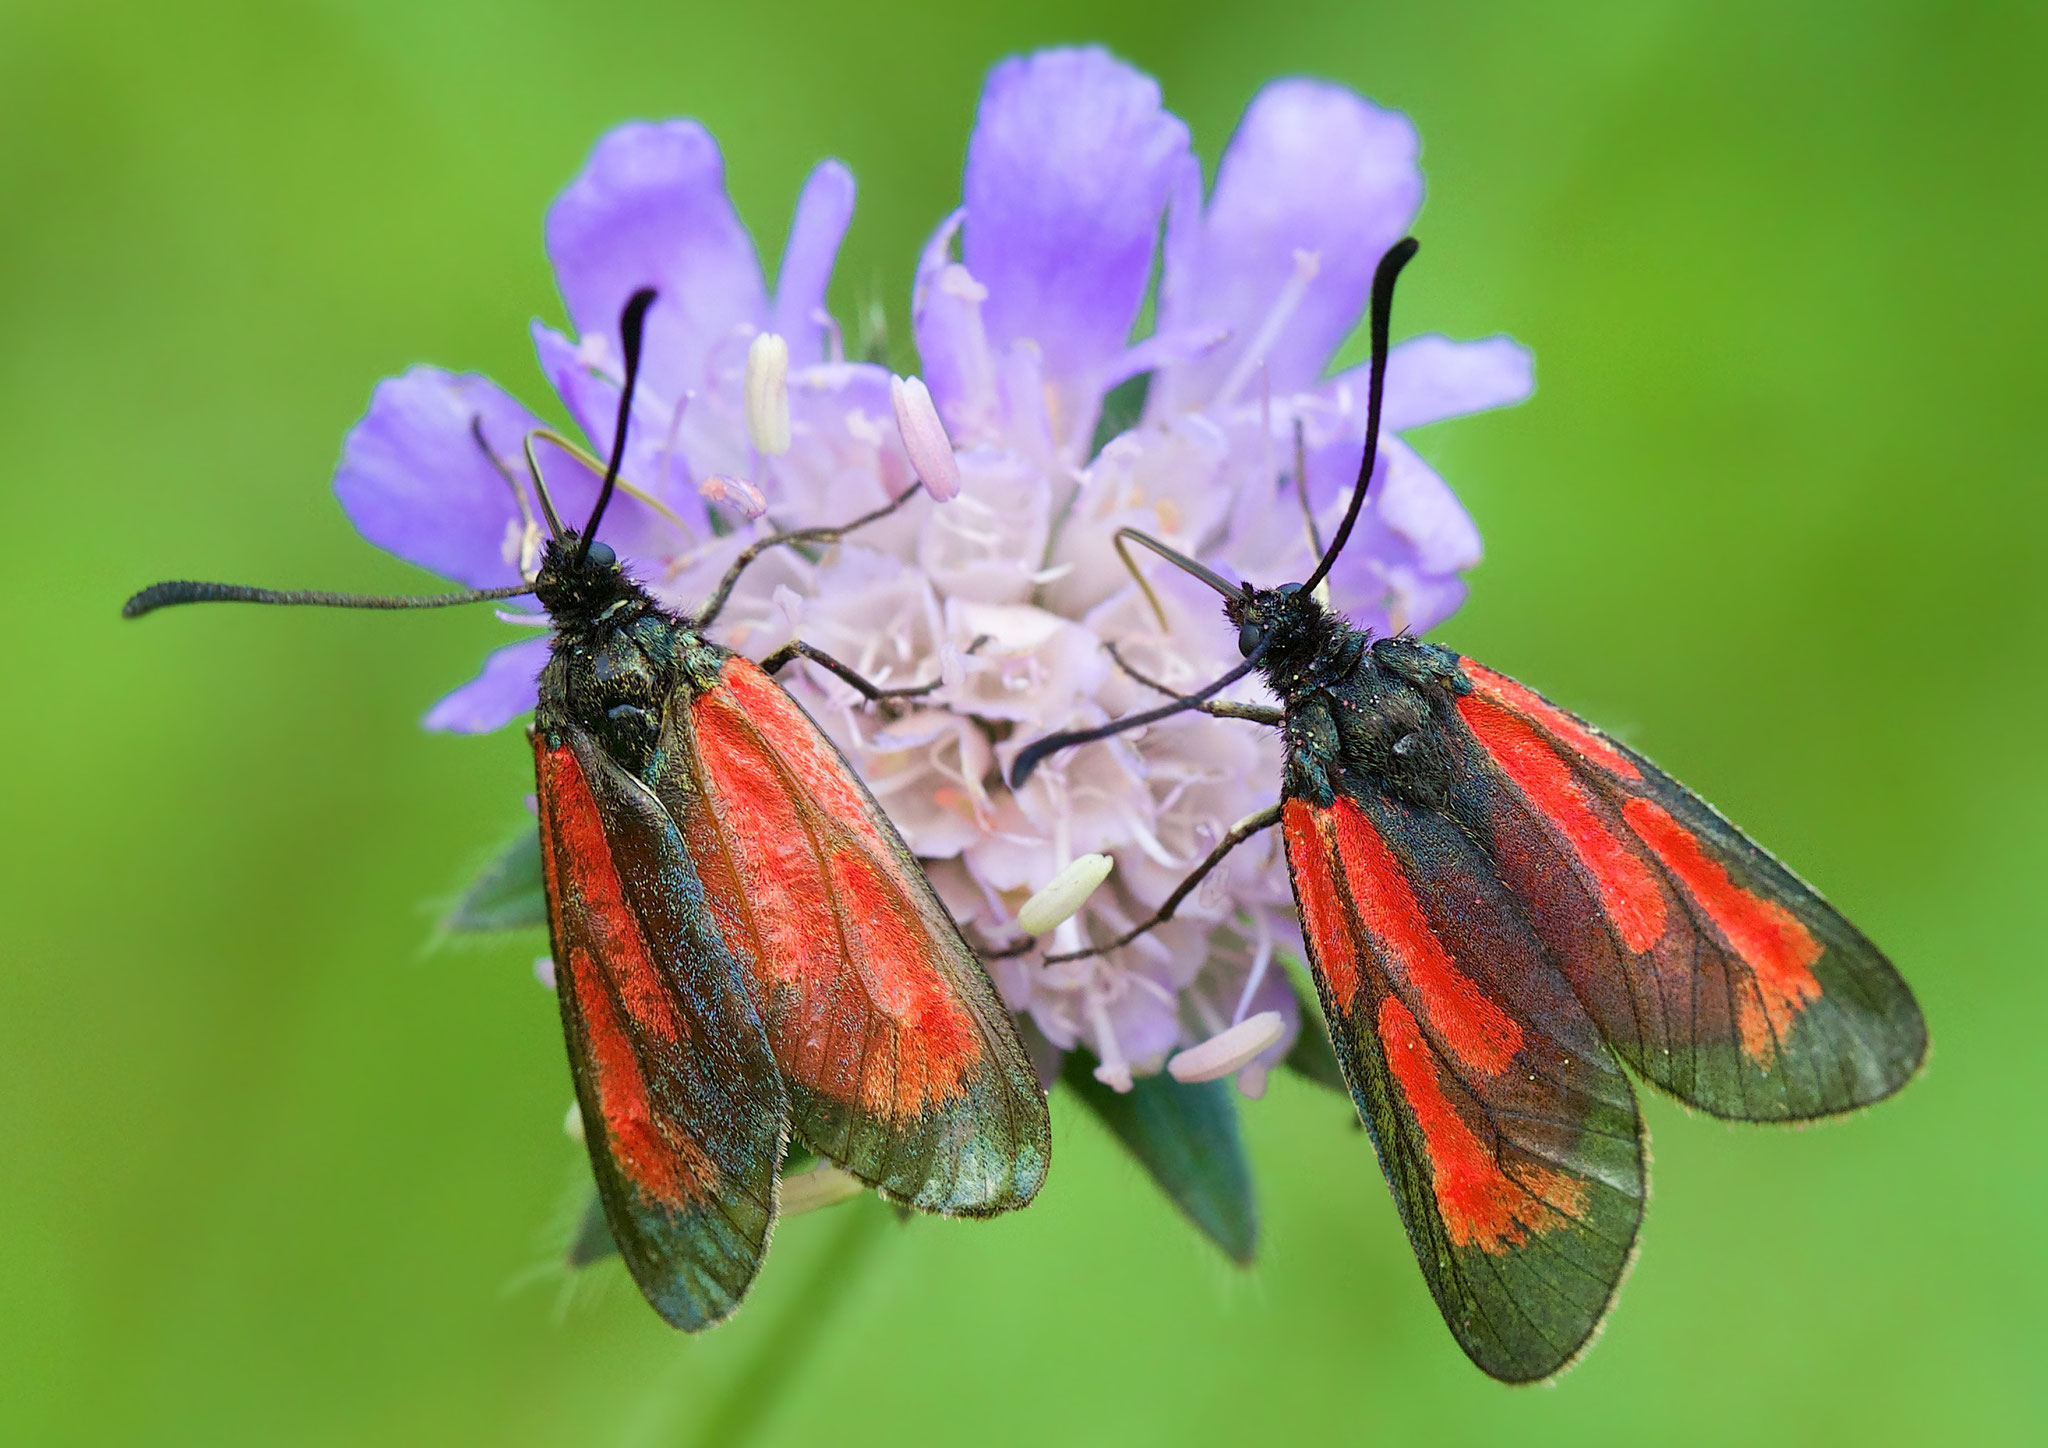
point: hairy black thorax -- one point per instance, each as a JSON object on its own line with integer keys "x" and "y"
{"x": 1362, "y": 712}
{"x": 616, "y": 654}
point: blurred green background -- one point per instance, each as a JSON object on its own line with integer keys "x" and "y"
{"x": 274, "y": 1173}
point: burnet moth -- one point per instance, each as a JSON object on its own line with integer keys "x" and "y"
{"x": 745, "y": 951}
{"x": 1502, "y": 906}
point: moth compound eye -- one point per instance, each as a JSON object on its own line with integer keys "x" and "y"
{"x": 1249, "y": 637}
{"x": 601, "y": 554}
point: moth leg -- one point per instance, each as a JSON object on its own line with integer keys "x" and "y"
{"x": 798, "y": 649}
{"x": 1221, "y": 709}
{"x": 714, "y": 604}
{"x": 1243, "y": 830}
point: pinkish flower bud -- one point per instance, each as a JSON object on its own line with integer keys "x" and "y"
{"x": 736, "y": 491}
{"x": 924, "y": 438}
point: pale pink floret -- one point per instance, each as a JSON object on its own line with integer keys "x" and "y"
{"x": 1001, "y": 585}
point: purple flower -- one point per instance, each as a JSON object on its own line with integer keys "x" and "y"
{"x": 1024, "y": 305}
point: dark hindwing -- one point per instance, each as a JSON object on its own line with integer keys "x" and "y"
{"x": 1712, "y": 969}
{"x": 901, "y": 1064}
{"x": 683, "y": 1110}
{"x": 1504, "y": 1125}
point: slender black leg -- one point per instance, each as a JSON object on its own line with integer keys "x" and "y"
{"x": 798, "y": 649}
{"x": 1243, "y": 830}
{"x": 714, "y": 604}
{"x": 1221, "y": 709}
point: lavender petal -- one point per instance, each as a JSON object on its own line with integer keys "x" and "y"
{"x": 1069, "y": 170}
{"x": 414, "y": 481}
{"x": 494, "y": 698}
{"x": 822, "y": 214}
{"x": 1312, "y": 169}
{"x": 1431, "y": 378}
{"x": 650, "y": 209}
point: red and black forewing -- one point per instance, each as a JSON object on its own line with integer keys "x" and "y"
{"x": 1712, "y": 969}
{"x": 683, "y": 1109}
{"x": 901, "y": 1064}
{"x": 1504, "y": 1124}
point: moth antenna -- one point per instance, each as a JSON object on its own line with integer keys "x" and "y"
{"x": 1179, "y": 560}
{"x": 1383, "y": 277}
{"x": 540, "y": 490}
{"x": 568, "y": 445}
{"x": 632, "y": 324}
{"x": 176, "y": 590}
{"x": 1027, "y": 760}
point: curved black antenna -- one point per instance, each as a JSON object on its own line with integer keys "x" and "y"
{"x": 1180, "y": 560}
{"x": 632, "y": 321}
{"x": 1398, "y": 256}
{"x": 540, "y": 488}
{"x": 172, "y": 591}
{"x": 1027, "y": 760}
{"x": 1174, "y": 556}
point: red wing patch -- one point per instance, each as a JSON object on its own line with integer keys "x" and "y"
{"x": 1504, "y": 1124}
{"x": 1779, "y": 951}
{"x": 904, "y": 1067}
{"x": 1710, "y": 967}
{"x": 1482, "y": 1206}
{"x": 1526, "y": 701}
{"x": 1475, "y": 1030}
{"x": 1312, "y": 858}
{"x": 848, "y": 929}
{"x": 684, "y": 1138}
{"x": 1630, "y": 893}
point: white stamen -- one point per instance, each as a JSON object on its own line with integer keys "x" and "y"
{"x": 1115, "y": 1071}
{"x": 738, "y": 491}
{"x": 1262, "y": 957}
{"x": 1228, "y": 1051}
{"x": 766, "y": 389}
{"x": 532, "y": 544}
{"x": 924, "y": 438}
{"x": 675, "y": 432}
{"x": 1306, "y": 265}
{"x": 544, "y": 971}
{"x": 1067, "y": 892}
{"x": 572, "y": 1123}
{"x": 1117, "y": 1078}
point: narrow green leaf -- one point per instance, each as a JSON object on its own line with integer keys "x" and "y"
{"x": 1121, "y": 408}
{"x": 1185, "y": 1134}
{"x": 508, "y": 895}
{"x": 1311, "y": 1055}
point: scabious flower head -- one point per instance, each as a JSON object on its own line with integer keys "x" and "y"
{"x": 1002, "y": 581}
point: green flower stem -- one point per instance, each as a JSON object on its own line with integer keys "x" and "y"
{"x": 760, "y": 1386}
